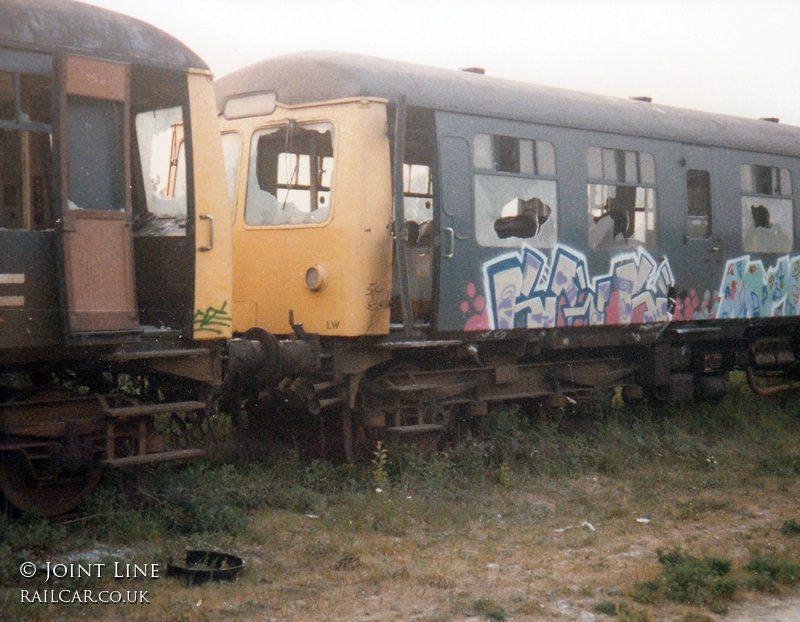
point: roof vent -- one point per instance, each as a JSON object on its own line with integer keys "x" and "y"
{"x": 478, "y": 70}
{"x": 641, "y": 98}
{"x": 770, "y": 119}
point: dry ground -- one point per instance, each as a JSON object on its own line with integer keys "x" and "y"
{"x": 512, "y": 553}
{"x": 545, "y": 525}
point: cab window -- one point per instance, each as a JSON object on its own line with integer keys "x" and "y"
{"x": 290, "y": 175}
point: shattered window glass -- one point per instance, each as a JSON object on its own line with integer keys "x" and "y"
{"x": 290, "y": 175}
{"x": 767, "y": 210}
{"x": 160, "y": 137}
{"x": 512, "y": 201}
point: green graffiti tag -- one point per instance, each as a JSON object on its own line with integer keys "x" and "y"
{"x": 210, "y": 318}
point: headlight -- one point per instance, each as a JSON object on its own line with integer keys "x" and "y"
{"x": 316, "y": 278}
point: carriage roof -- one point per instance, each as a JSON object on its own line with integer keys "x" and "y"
{"x": 323, "y": 76}
{"x": 78, "y": 28}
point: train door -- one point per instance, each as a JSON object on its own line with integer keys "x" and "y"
{"x": 95, "y": 221}
{"x": 455, "y": 232}
{"x": 419, "y": 215}
{"x": 705, "y": 255}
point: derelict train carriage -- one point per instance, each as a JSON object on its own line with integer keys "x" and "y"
{"x": 448, "y": 240}
{"x": 114, "y": 246}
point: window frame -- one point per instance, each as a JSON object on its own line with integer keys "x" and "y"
{"x": 646, "y": 178}
{"x": 252, "y": 168}
{"x": 695, "y": 196}
{"x": 537, "y": 162}
{"x": 765, "y": 206}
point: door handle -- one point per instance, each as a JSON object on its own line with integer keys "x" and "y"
{"x": 452, "y": 243}
{"x": 717, "y": 250}
{"x": 210, "y": 220}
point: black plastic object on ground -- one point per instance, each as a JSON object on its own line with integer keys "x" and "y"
{"x": 204, "y": 566}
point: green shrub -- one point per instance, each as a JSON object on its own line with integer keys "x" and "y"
{"x": 686, "y": 579}
{"x": 771, "y": 570}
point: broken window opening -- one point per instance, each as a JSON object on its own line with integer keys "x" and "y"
{"x": 512, "y": 201}
{"x": 621, "y": 198}
{"x": 767, "y": 209}
{"x": 162, "y": 157}
{"x": 290, "y": 175}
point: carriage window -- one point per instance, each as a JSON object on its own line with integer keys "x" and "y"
{"x": 231, "y": 152}
{"x": 94, "y": 156}
{"x": 514, "y": 199}
{"x": 767, "y": 209}
{"x": 418, "y": 203}
{"x": 698, "y": 209}
{"x": 25, "y": 150}
{"x": 621, "y": 198}
{"x": 290, "y": 175}
{"x": 160, "y": 138}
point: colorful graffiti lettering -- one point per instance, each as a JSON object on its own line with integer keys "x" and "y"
{"x": 525, "y": 289}
{"x": 748, "y": 290}
{"x": 208, "y": 320}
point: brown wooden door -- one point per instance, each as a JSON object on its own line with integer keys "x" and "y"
{"x": 96, "y": 237}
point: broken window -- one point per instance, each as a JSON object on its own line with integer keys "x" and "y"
{"x": 162, "y": 153}
{"x": 25, "y": 144}
{"x": 698, "y": 199}
{"x": 767, "y": 209}
{"x": 621, "y": 198}
{"x": 290, "y": 175}
{"x": 514, "y": 199}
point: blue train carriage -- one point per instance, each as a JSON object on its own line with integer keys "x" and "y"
{"x": 114, "y": 247}
{"x": 451, "y": 239}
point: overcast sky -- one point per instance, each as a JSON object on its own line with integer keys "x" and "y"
{"x": 729, "y": 56}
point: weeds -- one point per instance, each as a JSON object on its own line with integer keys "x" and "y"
{"x": 621, "y": 610}
{"x": 790, "y": 527}
{"x": 494, "y": 498}
{"x": 380, "y": 478}
{"x": 487, "y": 608}
{"x": 771, "y": 570}
{"x": 691, "y": 580}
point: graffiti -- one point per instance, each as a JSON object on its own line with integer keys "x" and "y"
{"x": 377, "y": 299}
{"x": 211, "y": 318}
{"x": 748, "y": 290}
{"x": 525, "y": 289}
{"x": 476, "y": 314}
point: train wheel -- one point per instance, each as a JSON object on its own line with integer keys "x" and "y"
{"x": 52, "y": 496}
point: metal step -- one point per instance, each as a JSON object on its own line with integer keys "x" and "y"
{"x": 145, "y": 410}
{"x": 424, "y": 428}
{"x": 162, "y": 456}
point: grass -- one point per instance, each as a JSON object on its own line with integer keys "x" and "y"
{"x": 650, "y": 514}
